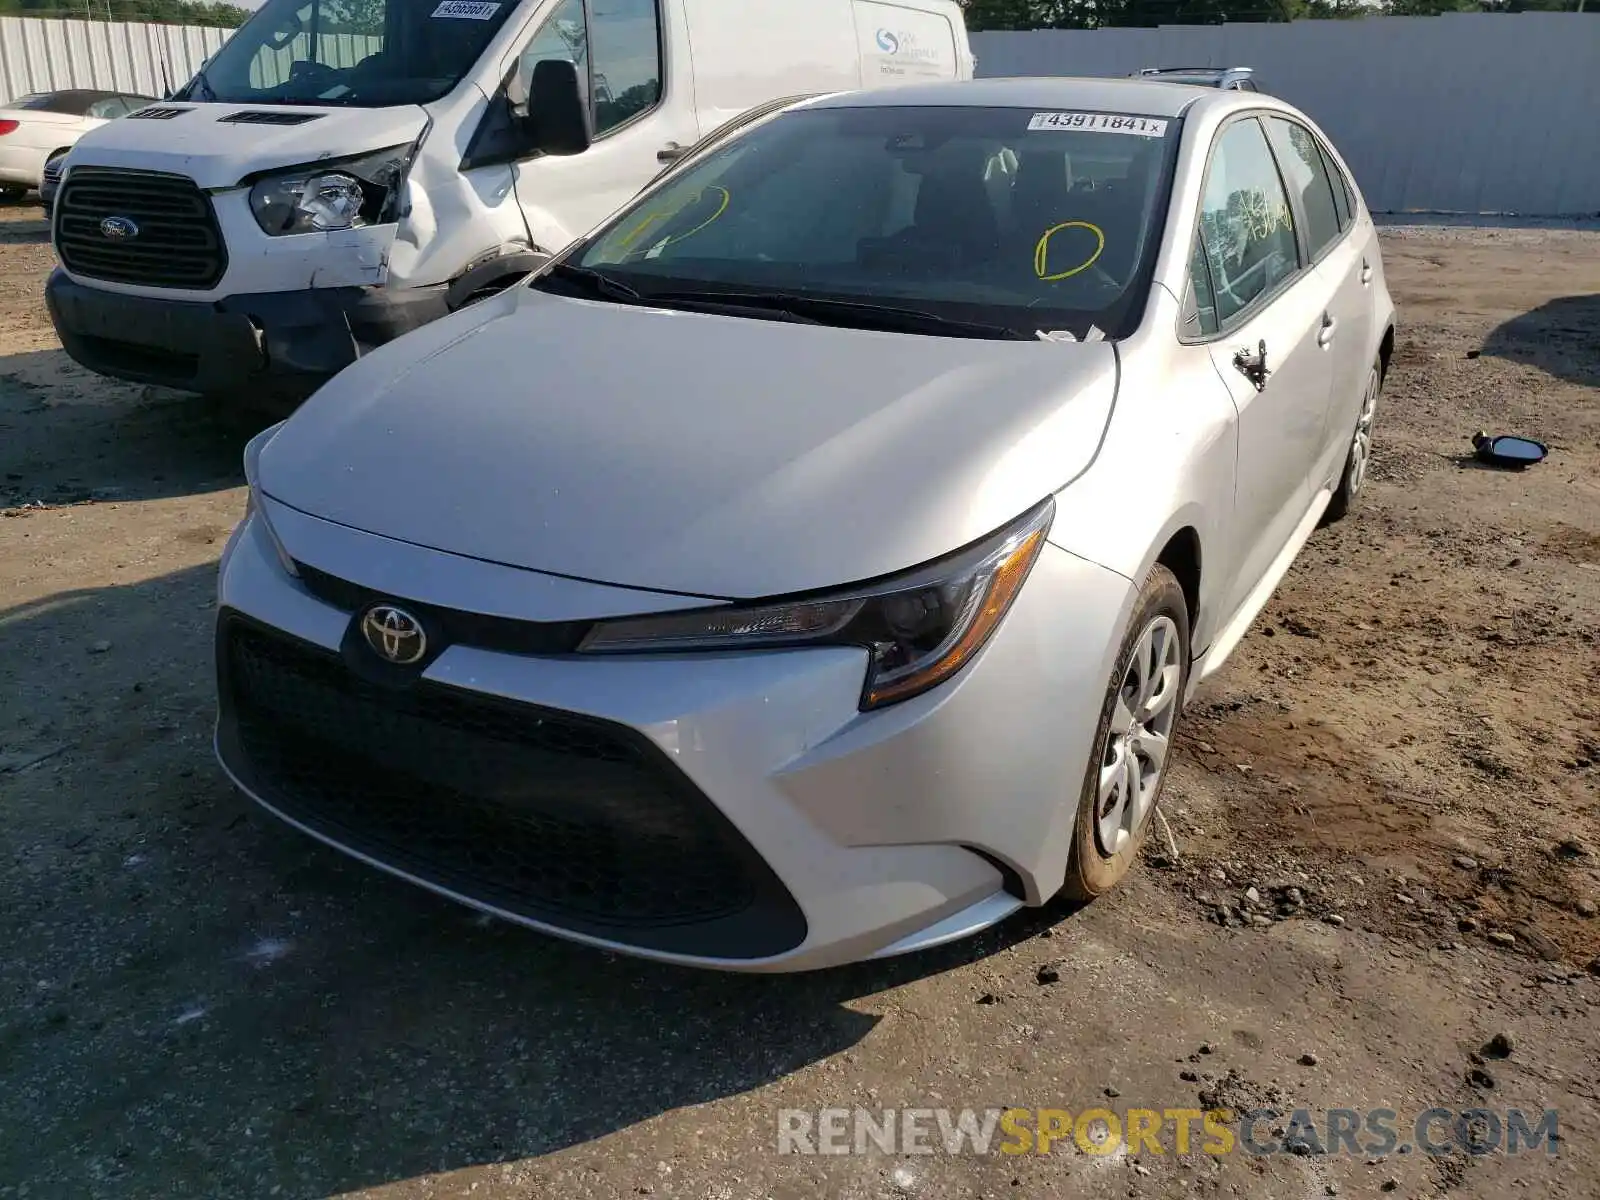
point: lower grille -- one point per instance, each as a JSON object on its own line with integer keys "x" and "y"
{"x": 573, "y": 822}
{"x": 165, "y": 233}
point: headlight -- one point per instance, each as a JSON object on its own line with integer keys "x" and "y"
{"x": 321, "y": 197}
{"x": 920, "y": 628}
{"x": 252, "y": 503}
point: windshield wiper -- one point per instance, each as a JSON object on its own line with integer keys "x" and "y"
{"x": 862, "y": 314}
{"x": 596, "y": 283}
{"x": 199, "y": 81}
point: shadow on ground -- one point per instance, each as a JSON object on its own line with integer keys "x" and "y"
{"x": 201, "y": 1001}
{"x": 25, "y": 233}
{"x": 1561, "y": 338}
{"x": 68, "y": 435}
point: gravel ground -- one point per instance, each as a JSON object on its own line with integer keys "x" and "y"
{"x": 1385, "y": 812}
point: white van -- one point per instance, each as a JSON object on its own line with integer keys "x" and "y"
{"x": 343, "y": 171}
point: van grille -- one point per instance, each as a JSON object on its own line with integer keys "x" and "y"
{"x": 175, "y": 243}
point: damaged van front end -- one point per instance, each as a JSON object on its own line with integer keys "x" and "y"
{"x": 185, "y": 266}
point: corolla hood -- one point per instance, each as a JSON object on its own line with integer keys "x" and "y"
{"x": 684, "y": 452}
{"x": 207, "y": 143}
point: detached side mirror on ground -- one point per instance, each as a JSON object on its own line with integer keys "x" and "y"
{"x": 558, "y": 120}
{"x": 1505, "y": 451}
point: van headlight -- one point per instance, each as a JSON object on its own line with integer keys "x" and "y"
{"x": 920, "y": 628}
{"x": 332, "y": 195}
{"x": 252, "y": 504}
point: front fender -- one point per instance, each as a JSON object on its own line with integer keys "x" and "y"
{"x": 1168, "y": 463}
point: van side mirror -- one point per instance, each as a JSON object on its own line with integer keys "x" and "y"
{"x": 558, "y": 116}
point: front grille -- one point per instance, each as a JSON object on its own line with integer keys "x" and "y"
{"x": 268, "y": 118}
{"x": 453, "y": 627}
{"x": 575, "y": 822}
{"x": 176, "y": 244}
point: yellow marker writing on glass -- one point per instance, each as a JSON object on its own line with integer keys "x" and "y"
{"x": 721, "y": 208}
{"x": 1041, "y": 252}
{"x": 651, "y": 219}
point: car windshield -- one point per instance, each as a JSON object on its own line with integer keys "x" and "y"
{"x": 1025, "y": 221}
{"x": 361, "y": 53}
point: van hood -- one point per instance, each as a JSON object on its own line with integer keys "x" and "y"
{"x": 203, "y": 144}
{"x": 684, "y": 452}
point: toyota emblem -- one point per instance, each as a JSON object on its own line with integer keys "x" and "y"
{"x": 394, "y": 634}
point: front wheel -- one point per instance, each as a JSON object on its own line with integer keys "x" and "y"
{"x": 1133, "y": 743}
{"x": 1359, "y": 457}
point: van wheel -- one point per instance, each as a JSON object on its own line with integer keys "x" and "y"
{"x": 1133, "y": 743}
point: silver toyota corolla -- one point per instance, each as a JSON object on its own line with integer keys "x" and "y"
{"x": 812, "y": 563}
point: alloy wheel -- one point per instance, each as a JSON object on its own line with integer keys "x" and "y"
{"x": 1361, "y": 444}
{"x": 1134, "y": 757}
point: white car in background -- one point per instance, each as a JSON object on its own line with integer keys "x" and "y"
{"x": 41, "y": 127}
{"x": 812, "y": 564}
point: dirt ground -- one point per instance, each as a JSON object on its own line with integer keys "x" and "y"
{"x": 1402, "y": 762}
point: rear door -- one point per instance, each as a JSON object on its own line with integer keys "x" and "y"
{"x": 1260, "y": 312}
{"x": 1337, "y": 254}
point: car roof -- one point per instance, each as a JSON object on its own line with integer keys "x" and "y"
{"x": 1051, "y": 93}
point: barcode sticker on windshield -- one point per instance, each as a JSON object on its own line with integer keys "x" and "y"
{"x": 1100, "y": 123}
{"x": 467, "y": 10}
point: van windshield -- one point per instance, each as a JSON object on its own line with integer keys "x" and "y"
{"x": 361, "y": 53}
{"x": 1019, "y": 220}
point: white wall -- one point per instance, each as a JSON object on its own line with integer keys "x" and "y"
{"x": 1467, "y": 113}
{"x": 41, "y": 56}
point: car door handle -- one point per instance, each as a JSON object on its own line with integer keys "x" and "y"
{"x": 1325, "y": 334}
{"x": 671, "y": 153}
{"x": 1366, "y": 272}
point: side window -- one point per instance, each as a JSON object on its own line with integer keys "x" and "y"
{"x": 564, "y": 35}
{"x": 625, "y": 37}
{"x": 1306, "y": 174}
{"x": 106, "y": 109}
{"x": 1342, "y": 198}
{"x": 616, "y": 48}
{"x": 1245, "y": 226}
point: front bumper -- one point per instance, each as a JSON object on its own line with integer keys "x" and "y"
{"x": 286, "y": 342}
{"x": 867, "y": 833}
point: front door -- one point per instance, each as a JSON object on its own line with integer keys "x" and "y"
{"x": 642, "y": 111}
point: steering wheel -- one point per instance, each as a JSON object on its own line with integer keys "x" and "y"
{"x": 304, "y": 70}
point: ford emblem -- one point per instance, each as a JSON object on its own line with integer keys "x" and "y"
{"x": 119, "y": 228}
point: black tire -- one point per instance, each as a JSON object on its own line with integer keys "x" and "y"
{"x": 1354, "y": 475}
{"x": 10, "y": 192}
{"x": 1091, "y": 871}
